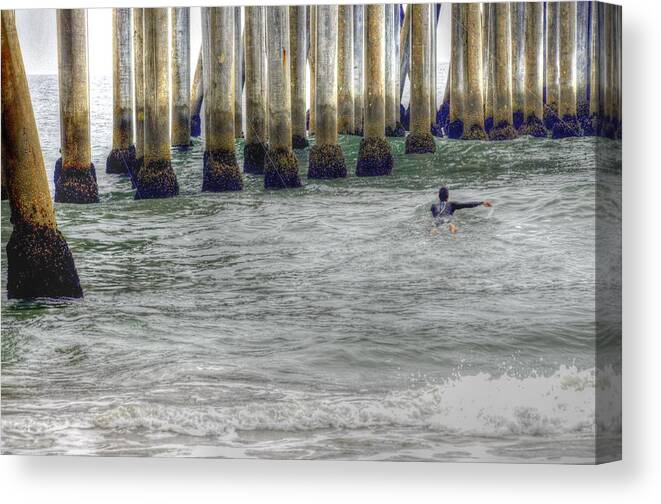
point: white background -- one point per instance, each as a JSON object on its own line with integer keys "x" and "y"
{"x": 636, "y": 479}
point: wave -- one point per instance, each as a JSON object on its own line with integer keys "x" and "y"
{"x": 482, "y": 405}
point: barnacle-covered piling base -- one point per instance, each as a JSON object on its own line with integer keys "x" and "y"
{"x": 456, "y": 129}
{"x": 156, "y": 180}
{"x": 419, "y": 143}
{"x": 195, "y": 125}
{"x": 75, "y": 185}
{"x": 517, "y": 119}
{"x": 221, "y": 172}
{"x": 488, "y": 125}
{"x": 374, "y": 157}
{"x": 476, "y": 132}
{"x": 584, "y": 118}
{"x": 397, "y": 131}
{"x": 40, "y": 264}
{"x": 327, "y": 162}
{"x": 590, "y": 125}
{"x": 135, "y": 169}
{"x": 299, "y": 142}
{"x": 254, "y": 155}
{"x": 281, "y": 169}
{"x": 533, "y": 127}
{"x": 503, "y": 131}
{"x": 550, "y": 118}
{"x": 120, "y": 161}
{"x": 568, "y": 126}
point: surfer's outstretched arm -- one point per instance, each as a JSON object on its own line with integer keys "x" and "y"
{"x": 470, "y": 204}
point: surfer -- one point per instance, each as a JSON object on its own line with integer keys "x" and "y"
{"x": 445, "y": 208}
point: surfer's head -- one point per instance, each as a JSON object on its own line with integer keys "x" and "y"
{"x": 443, "y": 193}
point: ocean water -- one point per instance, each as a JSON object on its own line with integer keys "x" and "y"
{"x": 326, "y": 322}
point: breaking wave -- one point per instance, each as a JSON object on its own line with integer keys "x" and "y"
{"x": 561, "y": 403}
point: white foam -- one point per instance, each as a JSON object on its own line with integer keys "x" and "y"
{"x": 561, "y": 403}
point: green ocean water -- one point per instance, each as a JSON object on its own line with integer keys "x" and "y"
{"x": 322, "y": 322}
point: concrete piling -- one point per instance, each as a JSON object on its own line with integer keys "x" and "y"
{"x": 433, "y": 56}
{"x": 474, "y": 98}
{"x": 180, "y": 64}
{"x": 391, "y": 74}
{"x": 75, "y": 176}
{"x": 345, "y": 103}
{"x": 256, "y": 136}
{"x": 457, "y": 64}
{"x": 396, "y": 54}
{"x": 138, "y": 90}
{"x": 122, "y": 156}
{"x": 156, "y": 179}
{"x": 488, "y": 62}
{"x": 567, "y": 124}
{"x": 312, "y": 53}
{"x": 552, "y": 62}
{"x": 420, "y": 140}
{"x": 238, "y": 74}
{"x": 582, "y": 61}
{"x": 39, "y": 261}
{"x": 326, "y": 157}
{"x": 298, "y": 61}
{"x": 281, "y": 167}
{"x": 517, "y": 18}
{"x": 221, "y": 170}
{"x": 358, "y": 69}
{"x": 502, "y": 112}
{"x": 591, "y": 123}
{"x": 533, "y": 71}
{"x": 374, "y": 155}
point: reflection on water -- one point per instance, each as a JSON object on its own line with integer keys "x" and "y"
{"x": 325, "y": 322}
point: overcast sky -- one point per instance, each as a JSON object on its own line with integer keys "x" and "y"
{"x": 38, "y": 35}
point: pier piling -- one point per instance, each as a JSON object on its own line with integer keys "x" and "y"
{"x": 122, "y": 156}
{"x": 533, "y": 71}
{"x": 326, "y": 157}
{"x": 391, "y": 74}
{"x": 358, "y": 69}
{"x": 517, "y": 16}
{"x": 298, "y": 60}
{"x": 344, "y": 35}
{"x": 552, "y": 83}
{"x": 281, "y": 167}
{"x": 420, "y": 140}
{"x": 374, "y": 155}
{"x": 221, "y": 170}
{"x": 238, "y": 74}
{"x": 156, "y": 179}
{"x": 502, "y": 111}
{"x": 567, "y": 124}
{"x": 456, "y": 78}
{"x": 180, "y": 61}
{"x": 138, "y": 90}
{"x": 75, "y": 176}
{"x": 39, "y": 262}
{"x": 256, "y": 137}
{"x": 474, "y": 99}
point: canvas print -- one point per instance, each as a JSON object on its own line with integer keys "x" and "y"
{"x": 358, "y": 232}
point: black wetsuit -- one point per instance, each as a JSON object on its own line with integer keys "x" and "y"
{"x": 447, "y": 208}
